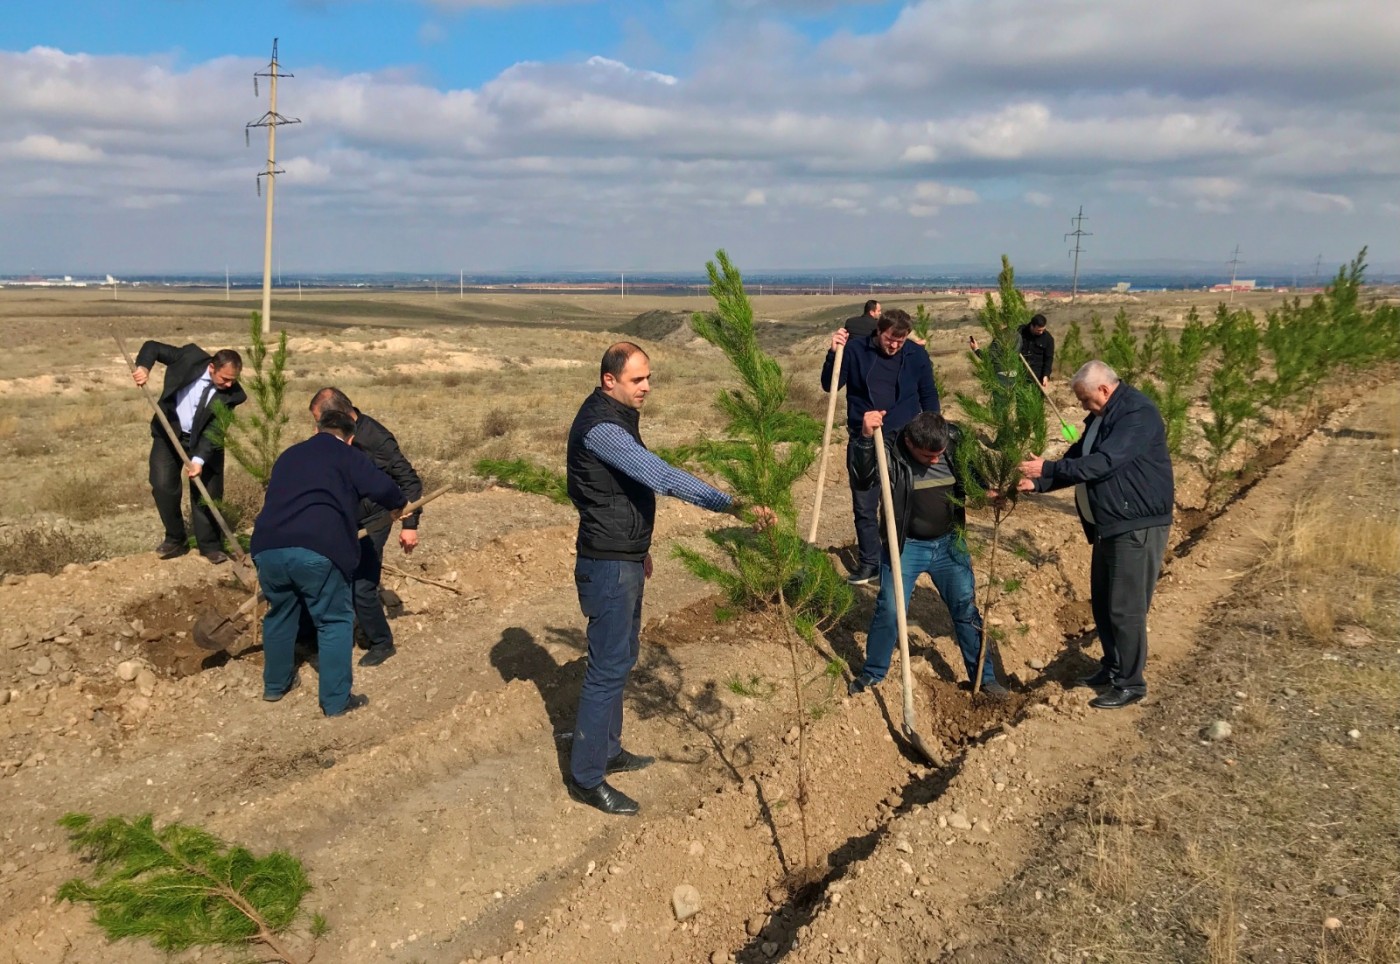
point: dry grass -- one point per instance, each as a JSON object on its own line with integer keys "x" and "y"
{"x": 9, "y": 427}
{"x": 497, "y": 423}
{"x": 43, "y": 548}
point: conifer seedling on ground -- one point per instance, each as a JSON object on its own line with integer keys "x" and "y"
{"x": 253, "y": 434}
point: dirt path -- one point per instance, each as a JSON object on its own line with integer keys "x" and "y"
{"x": 435, "y": 825}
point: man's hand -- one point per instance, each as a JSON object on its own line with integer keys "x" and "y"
{"x": 1025, "y": 485}
{"x": 408, "y": 540}
{"x": 646, "y": 566}
{"x": 139, "y": 375}
{"x": 1045, "y": 382}
{"x": 972, "y": 342}
{"x": 194, "y": 469}
{"x": 394, "y": 514}
{"x": 839, "y": 338}
{"x": 873, "y": 420}
{"x": 1031, "y": 468}
{"x": 763, "y": 517}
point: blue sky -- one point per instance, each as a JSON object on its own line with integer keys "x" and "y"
{"x": 492, "y": 135}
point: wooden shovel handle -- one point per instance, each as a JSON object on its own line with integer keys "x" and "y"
{"x": 896, "y": 578}
{"x": 384, "y": 522}
{"x": 826, "y": 441}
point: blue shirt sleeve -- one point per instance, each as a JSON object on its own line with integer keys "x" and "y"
{"x": 613, "y": 445}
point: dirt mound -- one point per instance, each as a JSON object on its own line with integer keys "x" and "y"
{"x": 659, "y": 325}
{"x": 164, "y": 626}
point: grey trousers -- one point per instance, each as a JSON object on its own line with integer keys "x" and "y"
{"x": 1122, "y": 575}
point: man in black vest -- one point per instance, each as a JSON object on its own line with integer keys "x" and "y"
{"x": 379, "y": 444}
{"x": 194, "y": 380}
{"x": 613, "y": 481}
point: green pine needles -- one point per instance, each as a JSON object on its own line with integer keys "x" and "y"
{"x": 254, "y": 438}
{"x": 527, "y": 477}
{"x": 1009, "y": 411}
{"x": 182, "y": 887}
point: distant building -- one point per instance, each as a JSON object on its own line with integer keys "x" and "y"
{"x": 1239, "y": 285}
{"x": 1122, "y": 287}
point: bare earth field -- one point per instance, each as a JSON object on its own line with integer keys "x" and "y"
{"x": 434, "y": 824}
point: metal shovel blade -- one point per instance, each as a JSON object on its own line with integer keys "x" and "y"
{"x": 934, "y": 757}
{"x": 214, "y": 631}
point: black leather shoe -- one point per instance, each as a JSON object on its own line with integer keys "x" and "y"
{"x": 296, "y": 681}
{"x": 1102, "y": 678}
{"x": 864, "y": 574}
{"x": 355, "y": 701}
{"x": 626, "y": 762}
{"x": 377, "y": 654}
{"x": 605, "y": 798}
{"x": 170, "y": 549}
{"x": 216, "y": 557}
{"x": 1116, "y": 699}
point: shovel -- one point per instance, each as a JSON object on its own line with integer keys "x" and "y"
{"x": 901, "y": 617}
{"x": 241, "y": 568}
{"x": 1068, "y": 431}
{"x": 214, "y": 631}
{"x": 826, "y": 441}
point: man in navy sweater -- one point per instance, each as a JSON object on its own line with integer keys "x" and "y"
{"x": 880, "y": 372}
{"x": 306, "y": 547}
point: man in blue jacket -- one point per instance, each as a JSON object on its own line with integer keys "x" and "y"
{"x": 1124, "y": 491}
{"x": 882, "y": 372}
{"x": 306, "y": 547}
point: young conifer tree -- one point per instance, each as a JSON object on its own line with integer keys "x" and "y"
{"x": 1071, "y": 354}
{"x": 1008, "y": 410}
{"x": 254, "y": 437}
{"x": 1173, "y": 388}
{"x": 1232, "y": 393}
{"x": 766, "y": 448}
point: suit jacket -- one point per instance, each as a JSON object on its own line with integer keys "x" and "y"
{"x": 376, "y": 441}
{"x": 182, "y": 366}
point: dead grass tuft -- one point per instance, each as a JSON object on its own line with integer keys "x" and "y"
{"x": 79, "y": 497}
{"x": 43, "y": 548}
{"x": 497, "y": 423}
{"x": 9, "y": 427}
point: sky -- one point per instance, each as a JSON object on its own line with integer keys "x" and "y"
{"x": 603, "y": 135}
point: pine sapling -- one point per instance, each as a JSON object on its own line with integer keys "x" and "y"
{"x": 767, "y": 447}
{"x": 1232, "y": 394}
{"x": 1071, "y": 354}
{"x": 526, "y": 476}
{"x": 254, "y": 438}
{"x": 182, "y": 887}
{"x": 1009, "y": 410}
{"x": 1174, "y": 388}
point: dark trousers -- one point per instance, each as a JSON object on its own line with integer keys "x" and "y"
{"x": 291, "y": 579}
{"x": 369, "y": 609}
{"x": 865, "y": 504}
{"x": 168, "y": 479}
{"x": 610, "y": 595}
{"x": 1122, "y": 575}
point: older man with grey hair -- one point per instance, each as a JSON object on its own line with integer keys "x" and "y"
{"x": 1123, "y": 487}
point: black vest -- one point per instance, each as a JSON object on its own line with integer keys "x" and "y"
{"x": 615, "y": 512}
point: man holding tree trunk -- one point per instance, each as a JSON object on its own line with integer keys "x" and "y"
{"x": 1123, "y": 488}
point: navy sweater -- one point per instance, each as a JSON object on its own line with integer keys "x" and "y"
{"x": 913, "y": 389}
{"x": 313, "y": 500}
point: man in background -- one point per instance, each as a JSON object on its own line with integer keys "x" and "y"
{"x": 1037, "y": 347}
{"x": 863, "y": 325}
{"x": 379, "y": 444}
{"x": 194, "y": 380}
{"x": 881, "y": 371}
{"x": 306, "y": 550}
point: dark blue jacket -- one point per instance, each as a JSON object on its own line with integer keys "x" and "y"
{"x": 313, "y": 500}
{"x": 915, "y": 391}
{"x": 1128, "y": 474}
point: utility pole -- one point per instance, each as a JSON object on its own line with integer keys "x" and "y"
{"x": 1078, "y": 233}
{"x": 1234, "y": 263}
{"x": 1317, "y": 270}
{"x": 624, "y": 283}
{"x": 227, "y": 295}
{"x": 271, "y": 120}
{"x": 461, "y": 284}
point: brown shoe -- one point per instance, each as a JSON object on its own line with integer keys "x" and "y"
{"x": 171, "y": 548}
{"x": 217, "y": 557}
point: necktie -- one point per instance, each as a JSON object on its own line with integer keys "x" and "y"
{"x": 199, "y": 409}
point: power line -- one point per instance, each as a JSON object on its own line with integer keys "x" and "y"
{"x": 1078, "y": 233}
{"x": 271, "y": 120}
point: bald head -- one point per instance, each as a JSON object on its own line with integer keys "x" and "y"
{"x": 625, "y": 374}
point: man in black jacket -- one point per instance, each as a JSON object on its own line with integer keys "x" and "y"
{"x": 305, "y": 548}
{"x": 194, "y": 381}
{"x": 1037, "y": 347}
{"x": 863, "y": 325}
{"x": 1124, "y": 491}
{"x": 379, "y": 444}
{"x": 929, "y": 520}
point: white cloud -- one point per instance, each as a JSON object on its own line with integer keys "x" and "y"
{"x": 1312, "y": 202}
{"x": 43, "y": 147}
{"x": 755, "y": 198}
{"x": 1038, "y": 199}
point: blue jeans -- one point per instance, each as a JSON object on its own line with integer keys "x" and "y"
{"x": 950, "y": 567}
{"x": 293, "y": 578}
{"x": 610, "y": 595}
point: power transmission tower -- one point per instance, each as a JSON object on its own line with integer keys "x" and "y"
{"x": 1317, "y": 270}
{"x": 1078, "y": 233}
{"x": 1234, "y": 263}
{"x": 271, "y": 120}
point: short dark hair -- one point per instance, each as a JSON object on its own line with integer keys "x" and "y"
{"x": 897, "y": 322}
{"x": 615, "y": 358}
{"x": 330, "y": 399}
{"x": 336, "y": 423}
{"x": 871, "y": 305}
{"x": 1037, "y": 321}
{"x": 225, "y": 357}
{"x": 928, "y": 431}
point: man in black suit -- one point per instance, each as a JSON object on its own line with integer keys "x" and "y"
{"x": 194, "y": 380}
{"x": 863, "y": 325}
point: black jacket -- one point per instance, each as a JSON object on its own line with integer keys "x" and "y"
{"x": 182, "y": 366}
{"x": 861, "y": 326}
{"x": 915, "y": 390}
{"x": 1128, "y": 474}
{"x": 313, "y": 500}
{"x": 379, "y": 444}
{"x": 616, "y": 513}
{"x": 865, "y": 474}
{"x": 1038, "y": 350}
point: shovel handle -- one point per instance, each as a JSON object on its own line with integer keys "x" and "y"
{"x": 384, "y": 522}
{"x": 180, "y": 451}
{"x": 1048, "y": 397}
{"x": 897, "y": 578}
{"x": 826, "y": 441}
